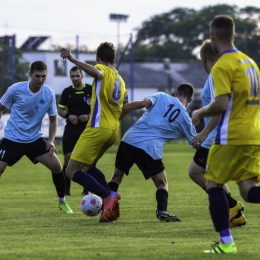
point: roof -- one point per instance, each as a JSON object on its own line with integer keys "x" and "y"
{"x": 149, "y": 75}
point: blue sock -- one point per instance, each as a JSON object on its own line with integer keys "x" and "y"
{"x": 90, "y": 184}
{"x": 218, "y": 207}
{"x": 225, "y": 236}
{"x": 99, "y": 176}
{"x": 254, "y": 195}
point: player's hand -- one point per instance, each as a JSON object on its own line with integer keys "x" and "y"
{"x": 66, "y": 54}
{"x": 73, "y": 119}
{"x": 198, "y": 140}
{"x": 83, "y": 118}
{"x": 50, "y": 146}
{"x": 195, "y": 117}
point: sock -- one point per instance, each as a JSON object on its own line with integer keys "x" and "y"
{"x": 231, "y": 202}
{"x": 67, "y": 180}
{"x": 253, "y": 195}
{"x": 99, "y": 176}
{"x": 218, "y": 207}
{"x": 225, "y": 236}
{"x": 90, "y": 184}
{"x": 113, "y": 186}
{"x": 162, "y": 199}
{"x": 59, "y": 182}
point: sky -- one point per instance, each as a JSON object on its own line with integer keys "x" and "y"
{"x": 64, "y": 20}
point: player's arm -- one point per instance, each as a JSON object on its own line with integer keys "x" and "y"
{"x": 52, "y": 133}
{"x": 216, "y": 107}
{"x": 2, "y": 108}
{"x": 88, "y": 68}
{"x": 135, "y": 105}
{"x": 62, "y": 112}
{"x": 202, "y": 136}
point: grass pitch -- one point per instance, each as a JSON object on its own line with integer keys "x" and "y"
{"x": 32, "y": 227}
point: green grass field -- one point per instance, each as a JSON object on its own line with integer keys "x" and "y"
{"x": 32, "y": 227}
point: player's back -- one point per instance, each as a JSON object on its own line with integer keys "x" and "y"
{"x": 238, "y": 75}
{"x": 165, "y": 120}
{"x": 108, "y": 95}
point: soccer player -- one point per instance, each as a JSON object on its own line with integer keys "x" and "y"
{"x": 235, "y": 153}
{"x": 204, "y": 139}
{"x": 108, "y": 97}
{"x": 74, "y": 105}
{"x": 29, "y": 101}
{"x": 166, "y": 119}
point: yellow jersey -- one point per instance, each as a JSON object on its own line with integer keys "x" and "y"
{"x": 237, "y": 75}
{"x": 108, "y": 95}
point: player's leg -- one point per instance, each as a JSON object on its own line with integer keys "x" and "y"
{"x": 67, "y": 180}
{"x": 97, "y": 141}
{"x": 161, "y": 183}
{"x": 248, "y": 181}
{"x": 123, "y": 163}
{"x": 197, "y": 170}
{"x": 219, "y": 172}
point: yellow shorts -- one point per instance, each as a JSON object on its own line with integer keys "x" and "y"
{"x": 233, "y": 162}
{"x": 92, "y": 144}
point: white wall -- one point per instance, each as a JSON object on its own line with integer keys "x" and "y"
{"x": 45, "y": 126}
{"x": 58, "y": 83}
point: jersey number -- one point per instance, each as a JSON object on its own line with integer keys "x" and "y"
{"x": 253, "y": 81}
{"x": 174, "y": 113}
{"x": 2, "y": 153}
{"x": 117, "y": 90}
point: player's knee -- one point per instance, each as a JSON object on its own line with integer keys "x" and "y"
{"x": 244, "y": 194}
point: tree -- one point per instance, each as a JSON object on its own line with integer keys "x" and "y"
{"x": 180, "y": 31}
{"x": 21, "y": 68}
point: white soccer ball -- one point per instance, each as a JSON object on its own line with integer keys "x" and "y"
{"x": 91, "y": 205}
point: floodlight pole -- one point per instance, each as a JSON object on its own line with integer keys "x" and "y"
{"x": 118, "y": 18}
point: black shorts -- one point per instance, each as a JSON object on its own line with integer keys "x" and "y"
{"x": 128, "y": 155}
{"x": 11, "y": 152}
{"x": 70, "y": 136}
{"x": 201, "y": 156}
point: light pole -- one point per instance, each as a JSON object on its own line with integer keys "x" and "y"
{"x": 118, "y": 18}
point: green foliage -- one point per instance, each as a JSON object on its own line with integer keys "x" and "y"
{"x": 21, "y": 68}
{"x": 181, "y": 30}
{"x": 32, "y": 227}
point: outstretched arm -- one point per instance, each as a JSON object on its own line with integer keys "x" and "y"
{"x": 135, "y": 105}
{"x": 88, "y": 68}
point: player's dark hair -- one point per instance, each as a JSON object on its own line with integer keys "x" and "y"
{"x": 185, "y": 90}
{"x": 38, "y": 65}
{"x": 223, "y": 27}
{"x": 75, "y": 68}
{"x": 106, "y": 51}
{"x": 208, "y": 50}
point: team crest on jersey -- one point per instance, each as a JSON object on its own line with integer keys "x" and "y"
{"x": 42, "y": 101}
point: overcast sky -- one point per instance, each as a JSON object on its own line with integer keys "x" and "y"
{"x": 62, "y": 20}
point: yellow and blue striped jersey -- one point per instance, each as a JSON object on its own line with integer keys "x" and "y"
{"x": 237, "y": 75}
{"x": 108, "y": 95}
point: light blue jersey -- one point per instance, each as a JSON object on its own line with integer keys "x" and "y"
{"x": 27, "y": 111}
{"x": 207, "y": 96}
{"x": 166, "y": 119}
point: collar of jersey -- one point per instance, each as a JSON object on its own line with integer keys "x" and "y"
{"x": 84, "y": 85}
{"x": 228, "y": 51}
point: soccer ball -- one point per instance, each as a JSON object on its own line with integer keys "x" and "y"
{"x": 91, "y": 205}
